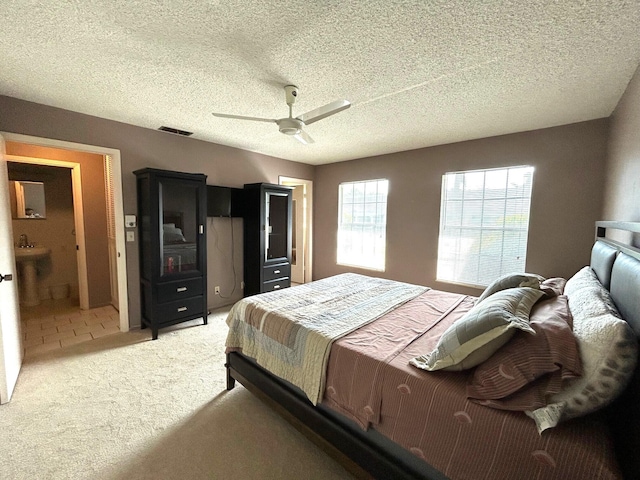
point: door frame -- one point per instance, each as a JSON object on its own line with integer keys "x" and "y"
{"x": 308, "y": 247}
{"x": 78, "y": 217}
{"x": 123, "y": 302}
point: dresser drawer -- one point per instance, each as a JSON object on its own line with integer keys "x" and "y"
{"x": 168, "y": 292}
{"x": 276, "y": 271}
{"x": 187, "y": 307}
{"x": 276, "y": 284}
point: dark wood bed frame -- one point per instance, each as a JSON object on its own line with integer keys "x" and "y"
{"x": 371, "y": 455}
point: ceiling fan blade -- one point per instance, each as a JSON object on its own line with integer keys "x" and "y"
{"x": 303, "y": 137}
{"x": 323, "y": 112}
{"x": 240, "y": 117}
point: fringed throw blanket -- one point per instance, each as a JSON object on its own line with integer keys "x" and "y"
{"x": 290, "y": 332}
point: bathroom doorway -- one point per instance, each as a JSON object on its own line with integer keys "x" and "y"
{"x": 110, "y": 176}
{"x": 61, "y": 232}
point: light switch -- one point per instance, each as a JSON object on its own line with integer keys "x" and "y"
{"x": 130, "y": 222}
{"x": 131, "y": 236}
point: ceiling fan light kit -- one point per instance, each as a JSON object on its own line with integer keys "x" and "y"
{"x": 294, "y": 126}
{"x": 290, "y": 126}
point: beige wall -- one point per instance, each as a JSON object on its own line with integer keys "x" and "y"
{"x": 95, "y": 218}
{"x": 567, "y": 194}
{"x": 55, "y": 231}
{"x": 139, "y": 148}
{"x": 622, "y": 192}
{"x": 567, "y": 197}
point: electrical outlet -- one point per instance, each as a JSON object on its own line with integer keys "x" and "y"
{"x": 217, "y": 290}
{"x": 242, "y": 285}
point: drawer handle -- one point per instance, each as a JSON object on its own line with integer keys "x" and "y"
{"x": 181, "y": 289}
{"x": 275, "y": 287}
{"x": 276, "y": 271}
{"x": 182, "y": 309}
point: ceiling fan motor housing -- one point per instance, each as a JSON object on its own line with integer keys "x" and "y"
{"x": 291, "y": 93}
{"x": 290, "y": 126}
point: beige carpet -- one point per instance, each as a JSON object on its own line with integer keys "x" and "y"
{"x": 126, "y": 407}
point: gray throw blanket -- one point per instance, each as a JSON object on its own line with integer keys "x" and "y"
{"x": 289, "y": 332}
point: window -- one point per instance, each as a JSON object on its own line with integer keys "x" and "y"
{"x": 484, "y": 223}
{"x": 362, "y": 223}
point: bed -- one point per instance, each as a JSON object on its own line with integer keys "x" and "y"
{"x": 372, "y": 429}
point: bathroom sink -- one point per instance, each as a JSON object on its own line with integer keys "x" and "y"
{"x": 31, "y": 253}
{"x": 27, "y": 258}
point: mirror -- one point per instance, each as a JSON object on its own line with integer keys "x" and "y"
{"x": 27, "y": 199}
{"x": 277, "y": 218}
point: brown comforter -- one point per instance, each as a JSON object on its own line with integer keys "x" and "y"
{"x": 369, "y": 379}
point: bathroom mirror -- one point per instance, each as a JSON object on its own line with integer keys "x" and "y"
{"x": 27, "y": 199}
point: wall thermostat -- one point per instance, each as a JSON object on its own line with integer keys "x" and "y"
{"x": 130, "y": 221}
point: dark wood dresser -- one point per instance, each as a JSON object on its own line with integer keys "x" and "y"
{"x": 172, "y": 213}
{"x": 267, "y": 237}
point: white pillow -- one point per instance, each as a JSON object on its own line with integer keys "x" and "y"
{"x": 587, "y": 297}
{"x": 481, "y": 331}
{"x": 608, "y": 350}
{"x": 173, "y": 236}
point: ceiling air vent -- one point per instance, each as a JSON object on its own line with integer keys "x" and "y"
{"x": 176, "y": 131}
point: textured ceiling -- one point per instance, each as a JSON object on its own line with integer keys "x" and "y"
{"x": 418, "y": 73}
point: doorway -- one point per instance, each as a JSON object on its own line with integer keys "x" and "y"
{"x": 112, "y": 175}
{"x": 302, "y": 228}
{"x": 41, "y": 168}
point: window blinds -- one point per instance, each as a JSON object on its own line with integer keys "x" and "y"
{"x": 484, "y": 223}
{"x": 362, "y": 223}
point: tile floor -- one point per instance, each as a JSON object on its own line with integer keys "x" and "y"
{"x": 59, "y": 323}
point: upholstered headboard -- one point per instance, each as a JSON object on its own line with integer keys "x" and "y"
{"x": 617, "y": 266}
{"x": 625, "y": 289}
{"x": 602, "y": 258}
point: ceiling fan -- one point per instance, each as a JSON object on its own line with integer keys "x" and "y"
{"x": 293, "y": 126}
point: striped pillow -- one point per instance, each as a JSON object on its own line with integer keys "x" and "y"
{"x": 481, "y": 331}
{"x": 530, "y": 368}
